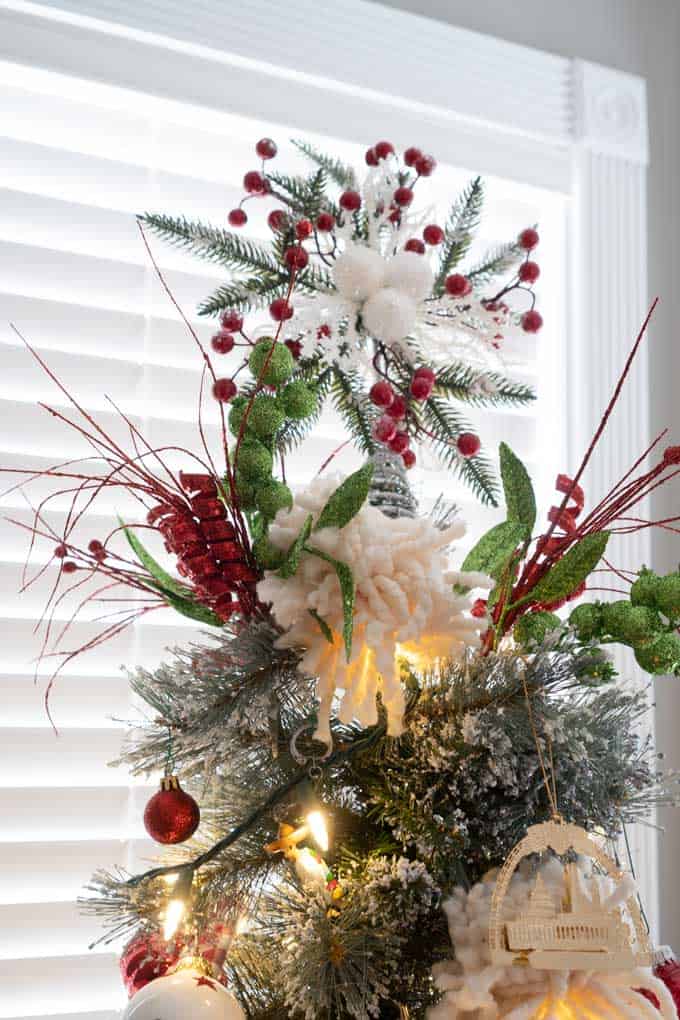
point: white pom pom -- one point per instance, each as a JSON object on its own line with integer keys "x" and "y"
{"x": 410, "y": 273}
{"x": 359, "y": 272}
{"x": 389, "y": 315}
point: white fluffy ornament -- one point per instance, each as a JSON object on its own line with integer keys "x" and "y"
{"x": 185, "y": 995}
{"x": 389, "y": 315}
{"x": 359, "y": 272}
{"x": 411, "y": 274}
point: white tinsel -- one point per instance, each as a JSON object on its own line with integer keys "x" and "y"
{"x": 475, "y": 989}
{"x": 405, "y": 604}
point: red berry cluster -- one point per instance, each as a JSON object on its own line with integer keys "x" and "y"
{"x": 422, "y": 165}
{"x": 206, "y": 544}
{"x": 527, "y": 274}
{"x": 224, "y": 342}
{"x": 255, "y": 183}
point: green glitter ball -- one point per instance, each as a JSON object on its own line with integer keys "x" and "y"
{"x": 299, "y": 400}
{"x": 279, "y": 367}
{"x": 587, "y": 620}
{"x": 245, "y": 491}
{"x": 533, "y": 627}
{"x": 643, "y": 591}
{"x": 254, "y": 461}
{"x": 632, "y": 624}
{"x": 272, "y": 497}
{"x": 266, "y": 417}
{"x": 236, "y": 412}
{"x": 668, "y": 595}
{"x": 268, "y": 555}
{"x": 660, "y": 655}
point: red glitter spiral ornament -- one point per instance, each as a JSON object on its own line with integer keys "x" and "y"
{"x": 172, "y": 815}
{"x": 147, "y": 957}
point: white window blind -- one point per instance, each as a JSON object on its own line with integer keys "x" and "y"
{"x": 77, "y": 161}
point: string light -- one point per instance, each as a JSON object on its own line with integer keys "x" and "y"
{"x": 173, "y": 916}
{"x": 318, "y": 830}
{"x": 177, "y": 906}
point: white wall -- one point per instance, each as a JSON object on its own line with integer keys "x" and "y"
{"x": 643, "y": 37}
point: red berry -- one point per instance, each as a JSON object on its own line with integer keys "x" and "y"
{"x": 532, "y": 321}
{"x": 381, "y": 394}
{"x": 223, "y": 342}
{"x": 232, "y": 320}
{"x": 95, "y": 546}
{"x": 399, "y": 442}
{"x": 60, "y": 551}
{"x": 295, "y": 348}
{"x": 529, "y": 272}
{"x": 425, "y": 373}
{"x": 224, "y": 390}
{"x": 397, "y": 409}
{"x": 478, "y": 609}
{"x": 371, "y": 157}
{"x": 384, "y": 429}
{"x": 421, "y": 387}
{"x": 237, "y": 218}
{"x": 325, "y": 222}
{"x": 409, "y": 458}
{"x": 395, "y": 216}
{"x": 383, "y": 149}
{"x": 296, "y": 257}
{"x": 280, "y": 310}
{"x": 425, "y": 165}
{"x": 433, "y": 234}
{"x": 528, "y": 239}
{"x": 468, "y": 444}
{"x": 350, "y": 200}
{"x": 457, "y": 285}
{"x": 277, "y": 219}
{"x": 303, "y": 229}
{"x": 254, "y": 183}
{"x": 411, "y": 155}
{"x": 403, "y": 196}
{"x": 69, "y": 567}
{"x": 266, "y": 148}
{"x": 415, "y": 244}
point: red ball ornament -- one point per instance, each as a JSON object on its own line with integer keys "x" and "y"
{"x": 277, "y": 219}
{"x": 232, "y": 320}
{"x": 457, "y": 285}
{"x": 296, "y": 257}
{"x": 415, "y": 244}
{"x": 171, "y": 816}
{"x": 145, "y": 958}
{"x": 532, "y": 321}
{"x": 425, "y": 165}
{"x": 433, "y": 234}
{"x": 528, "y": 239}
{"x": 303, "y": 229}
{"x": 381, "y": 394}
{"x": 222, "y": 342}
{"x": 280, "y": 310}
{"x": 397, "y": 409}
{"x": 383, "y": 149}
{"x": 529, "y": 272}
{"x": 266, "y": 148}
{"x": 325, "y": 222}
{"x": 350, "y": 200}
{"x": 224, "y": 390}
{"x": 667, "y": 969}
{"x": 237, "y": 218}
{"x": 384, "y": 429}
{"x": 403, "y": 196}
{"x": 254, "y": 183}
{"x": 399, "y": 442}
{"x": 409, "y": 459}
{"x": 468, "y": 444}
{"x": 412, "y": 155}
{"x": 371, "y": 157}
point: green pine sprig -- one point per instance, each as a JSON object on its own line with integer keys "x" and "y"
{"x": 211, "y": 243}
{"x": 459, "y": 231}
{"x": 495, "y": 262}
{"x": 354, "y": 408}
{"x": 446, "y": 425}
{"x": 458, "y": 382}
{"x": 339, "y": 172}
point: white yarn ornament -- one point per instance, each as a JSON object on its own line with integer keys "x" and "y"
{"x": 410, "y": 273}
{"x": 405, "y": 604}
{"x": 359, "y": 272}
{"x": 389, "y": 315}
{"x": 475, "y": 989}
{"x": 185, "y": 994}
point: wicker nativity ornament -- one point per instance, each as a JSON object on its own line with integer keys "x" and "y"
{"x": 582, "y": 933}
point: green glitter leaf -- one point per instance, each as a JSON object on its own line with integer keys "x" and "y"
{"x": 520, "y": 500}
{"x": 347, "y": 500}
{"x": 323, "y": 626}
{"x": 495, "y": 548}
{"x": 571, "y": 570}
{"x": 346, "y": 579}
{"x": 165, "y": 580}
{"x": 194, "y": 610}
{"x": 292, "y": 558}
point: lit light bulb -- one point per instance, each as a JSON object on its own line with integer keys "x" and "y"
{"x": 171, "y": 878}
{"x": 173, "y": 916}
{"x": 318, "y": 829}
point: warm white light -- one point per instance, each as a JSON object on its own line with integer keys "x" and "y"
{"x": 173, "y": 916}
{"x": 171, "y": 878}
{"x": 311, "y": 870}
{"x": 318, "y": 830}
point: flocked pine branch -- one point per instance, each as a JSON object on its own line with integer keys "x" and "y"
{"x": 461, "y": 382}
{"x": 354, "y": 408}
{"x": 343, "y": 175}
{"x": 495, "y": 262}
{"x": 212, "y": 243}
{"x": 444, "y": 426}
{"x": 459, "y": 231}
